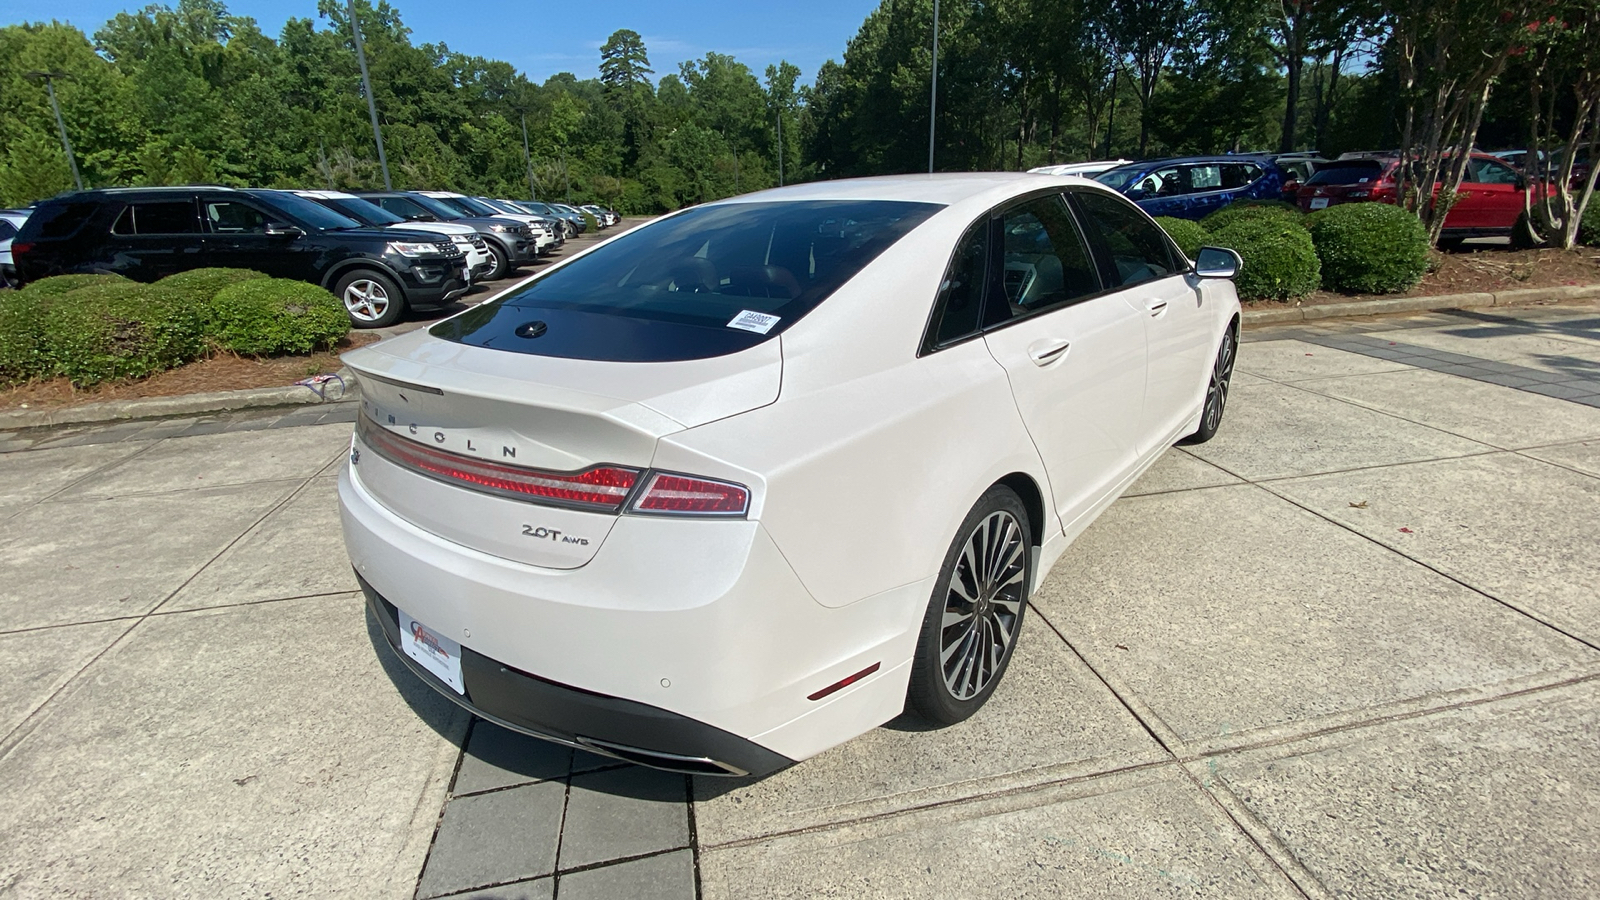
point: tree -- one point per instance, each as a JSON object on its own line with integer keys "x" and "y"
{"x": 1145, "y": 34}
{"x": 1560, "y": 53}
{"x": 623, "y": 60}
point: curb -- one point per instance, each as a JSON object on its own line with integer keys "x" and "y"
{"x": 181, "y": 405}
{"x": 1357, "y": 308}
{"x": 297, "y": 395}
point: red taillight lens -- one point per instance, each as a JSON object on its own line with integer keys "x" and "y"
{"x": 17, "y": 249}
{"x": 601, "y": 489}
{"x": 667, "y": 494}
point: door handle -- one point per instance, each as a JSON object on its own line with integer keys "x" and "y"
{"x": 1156, "y": 307}
{"x": 1047, "y": 351}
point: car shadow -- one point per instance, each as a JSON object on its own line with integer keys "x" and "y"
{"x": 447, "y": 719}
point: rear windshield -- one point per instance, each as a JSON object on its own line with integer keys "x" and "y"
{"x": 1348, "y": 173}
{"x": 702, "y": 283}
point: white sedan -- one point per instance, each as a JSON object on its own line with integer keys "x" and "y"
{"x": 745, "y": 482}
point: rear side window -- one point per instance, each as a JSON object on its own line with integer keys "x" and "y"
{"x": 7, "y": 230}
{"x": 960, "y": 300}
{"x": 158, "y": 217}
{"x": 1347, "y": 173}
{"x": 1136, "y": 248}
{"x": 705, "y": 282}
{"x": 62, "y": 220}
{"x": 1044, "y": 262}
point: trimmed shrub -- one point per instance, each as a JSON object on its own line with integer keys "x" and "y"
{"x": 203, "y": 284}
{"x": 1251, "y": 209}
{"x": 22, "y": 355}
{"x": 1280, "y": 262}
{"x": 1589, "y": 225}
{"x": 1189, "y": 236}
{"x": 56, "y": 285}
{"x": 105, "y": 331}
{"x": 1369, "y": 248}
{"x": 272, "y": 316}
{"x": 590, "y": 221}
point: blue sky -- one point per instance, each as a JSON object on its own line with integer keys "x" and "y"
{"x": 544, "y": 38}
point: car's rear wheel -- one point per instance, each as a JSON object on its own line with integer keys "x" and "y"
{"x": 372, "y": 299}
{"x": 975, "y": 614}
{"x": 1216, "y": 390}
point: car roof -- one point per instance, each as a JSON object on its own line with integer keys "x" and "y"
{"x": 324, "y": 195}
{"x": 947, "y": 189}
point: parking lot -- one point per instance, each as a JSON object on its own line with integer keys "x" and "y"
{"x": 1349, "y": 648}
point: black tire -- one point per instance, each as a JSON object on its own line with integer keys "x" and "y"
{"x": 1217, "y": 386}
{"x": 370, "y": 284}
{"x": 500, "y": 258}
{"x": 946, "y": 691}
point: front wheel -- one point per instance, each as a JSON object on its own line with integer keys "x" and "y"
{"x": 975, "y": 615}
{"x": 1216, "y": 390}
{"x": 371, "y": 299}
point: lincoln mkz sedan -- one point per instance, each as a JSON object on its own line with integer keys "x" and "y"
{"x": 752, "y": 479}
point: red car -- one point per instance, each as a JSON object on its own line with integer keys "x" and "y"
{"x": 1490, "y": 203}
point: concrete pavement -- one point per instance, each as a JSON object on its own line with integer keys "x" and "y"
{"x": 1349, "y": 648}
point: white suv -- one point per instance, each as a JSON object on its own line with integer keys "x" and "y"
{"x": 479, "y": 262}
{"x": 10, "y": 223}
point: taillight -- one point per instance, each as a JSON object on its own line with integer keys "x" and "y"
{"x": 666, "y": 494}
{"x": 599, "y": 489}
{"x": 17, "y": 248}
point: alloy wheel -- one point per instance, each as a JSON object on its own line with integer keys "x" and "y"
{"x": 1217, "y": 387}
{"x": 365, "y": 300}
{"x": 983, "y": 605}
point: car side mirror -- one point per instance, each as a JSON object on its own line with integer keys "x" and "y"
{"x": 1217, "y": 262}
{"x": 279, "y": 229}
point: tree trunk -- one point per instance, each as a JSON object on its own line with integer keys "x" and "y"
{"x": 1293, "y": 64}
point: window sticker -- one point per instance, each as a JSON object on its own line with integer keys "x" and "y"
{"x": 750, "y": 320}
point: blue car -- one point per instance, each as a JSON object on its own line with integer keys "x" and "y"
{"x": 1192, "y": 187}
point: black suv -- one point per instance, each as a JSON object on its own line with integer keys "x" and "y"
{"x": 148, "y": 233}
{"x": 511, "y": 242}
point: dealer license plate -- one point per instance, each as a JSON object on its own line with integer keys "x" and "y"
{"x": 1319, "y": 202}
{"x": 437, "y": 653}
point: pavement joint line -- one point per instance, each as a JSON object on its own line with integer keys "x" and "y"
{"x": 16, "y": 735}
{"x": 561, "y": 838}
{"x": 1300, "y": 386}
{"x": 55, "y": 625}
{"x": 135, "y": 495}
{"x": 1525, "y": 455}
{"x": 433, "y": 839}
{"x": 694, "y": 835}
{"x": 323, "y": 595}
{"x": 1155, "y": 734}
{"x": 502, "y": 788}
{"x": 1435, "y": 569}
{"x": 1272, "y": 848}
{"x": 96, "y": 471}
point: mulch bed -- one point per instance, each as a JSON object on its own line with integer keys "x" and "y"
{"x": 222, "y": 372}
{"x": 1477, "y": 271}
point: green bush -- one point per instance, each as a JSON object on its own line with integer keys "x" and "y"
{"x": 1251, "y": 209}
{"x": 267, "y": 317}
{"x": 23, "y": 355}
{"x": 1369, "y": 248}
{"x": 1280, "y": 262}
{"x": 589, "y": 220}
{"x": 1189, "y": 236}
{"x": 1589, "y": 225}
{"x": 104, "y": 331}
{"x": 56, "y": 285}
{"x": 202, "y": 285}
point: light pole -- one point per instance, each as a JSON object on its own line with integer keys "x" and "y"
{"x": 50, "y": 88}
{"x": 933, "y": 91}
{"x": 366, "y": 84}
{"x": 527, "y": 159}
{"x": 780, "y": 147}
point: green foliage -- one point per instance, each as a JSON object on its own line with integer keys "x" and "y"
{"x": 1188, "y": 235}
{"x": 56, "y": 285}
{"x": 1369, "y": 248}
{"x": 589, "y": 221}
{"x": 22, "y": 355}
{"x": 274, "y": 316}
{"x": 105, "y": 331}
{"x": 1280, "y": 262}
{"x": 199, "y": 286}
{"x": 1252, "y": 209}
{"x": 1589, "y": 225}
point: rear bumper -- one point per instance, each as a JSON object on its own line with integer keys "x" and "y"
{"x": 693, "y": 639}
{"x": 611, "y": 726}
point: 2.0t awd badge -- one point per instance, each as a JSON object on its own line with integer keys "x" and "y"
{"x": 553, "y": 535}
